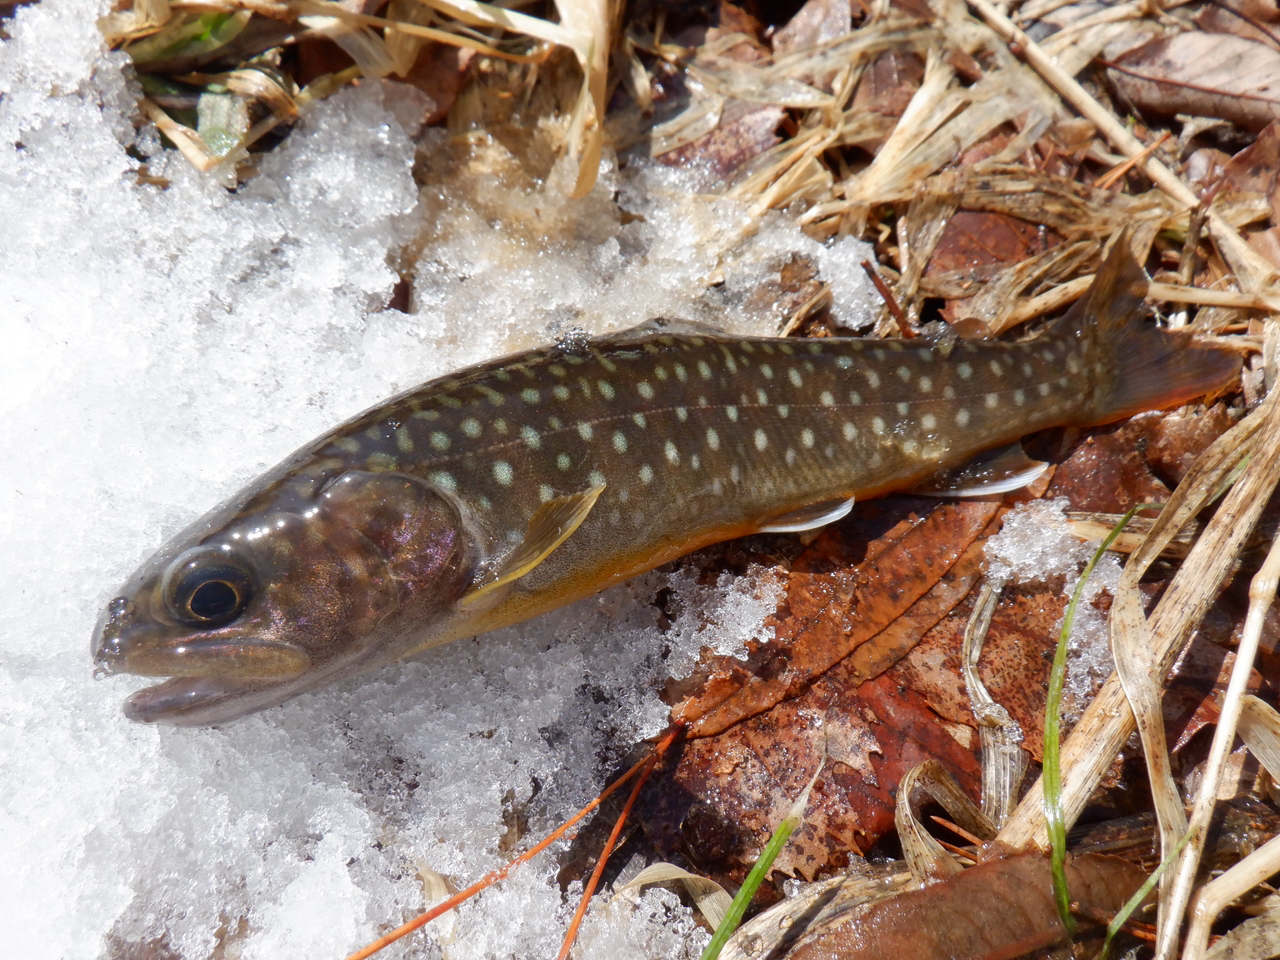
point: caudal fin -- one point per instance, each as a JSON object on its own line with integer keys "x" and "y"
{"x": 1131, "y": 365}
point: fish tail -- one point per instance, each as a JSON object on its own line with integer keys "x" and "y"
{"x": 1131, "y": 365}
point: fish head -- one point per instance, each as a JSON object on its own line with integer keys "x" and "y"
{"x": 279, "y": 592}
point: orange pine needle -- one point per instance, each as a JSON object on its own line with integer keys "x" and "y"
{"x": 495, "y": 875}
{"x": 589, "y": 890}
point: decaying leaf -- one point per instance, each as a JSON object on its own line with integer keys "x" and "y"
{"x": 1204, "y": 74}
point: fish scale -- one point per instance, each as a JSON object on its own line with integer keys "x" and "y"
{"x": 490, "y": 496}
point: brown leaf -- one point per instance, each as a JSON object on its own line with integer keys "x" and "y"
{"x": 727, "y": 793}
{"x": 1203, "y": 74}
{"x": 848, "y": 587}
{"x": 1000, "y": 908}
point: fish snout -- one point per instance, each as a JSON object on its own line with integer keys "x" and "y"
{"x": 109, "y": 655}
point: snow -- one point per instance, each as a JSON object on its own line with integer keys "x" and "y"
{"x": 165, "y": 345}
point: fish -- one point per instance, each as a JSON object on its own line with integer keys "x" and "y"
{"x": 498, "y": 493}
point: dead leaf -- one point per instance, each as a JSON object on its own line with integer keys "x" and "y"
{"x": 1203, "y": 74}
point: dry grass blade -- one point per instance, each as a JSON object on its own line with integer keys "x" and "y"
{"x": 927, "y": 858}
{"x": 1108, "y": 721}
{"x": 711, "y": 899}
{"x": 1003, "y": 759}
{"x": 1254, "y": 272}
{"x": 1259, "y": 728}
{"x": 1262, "y": 593}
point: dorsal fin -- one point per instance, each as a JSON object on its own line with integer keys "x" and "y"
{"x": 551, "y": 525}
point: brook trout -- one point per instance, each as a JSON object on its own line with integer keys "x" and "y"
{"x": 506, "y": 490}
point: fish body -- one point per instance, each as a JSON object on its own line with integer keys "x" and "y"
{"x": 501, "y": 492}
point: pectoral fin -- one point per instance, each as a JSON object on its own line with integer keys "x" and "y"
{"x": 996, "y": 471}
{"x": 810, "y": 517}
{"x": 551, "y": 525}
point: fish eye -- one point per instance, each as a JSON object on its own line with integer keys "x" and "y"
{"x": 206, "y": 587}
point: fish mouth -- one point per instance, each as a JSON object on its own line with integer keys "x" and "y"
{"x": 199, "y": 701}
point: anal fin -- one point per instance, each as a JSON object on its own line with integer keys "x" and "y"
{"x": 549, "y": 527}
{"x": 810, "y": 517}
{"x": 995, "y": 471}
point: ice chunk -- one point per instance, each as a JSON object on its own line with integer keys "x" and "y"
{"x": 1036, "y": 546}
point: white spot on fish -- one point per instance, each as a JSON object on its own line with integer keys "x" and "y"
{"x": 784, "y": 410}
{"x": 762, "y": 398}
{"x": 849, "y": 430}
{"x": 877, "y": 424}
{"x": 502, "y": 472}
{"x": 563, "y": 461}
{"x": 948, "y": 392}
{"x": 585, "y": 431}
{"x": 596, "y": 478}
{"x": 991, "y": 401}
{"x": 696, "y": 462}
{"x": 560, "y": 392}
{"x": 962, "y": 417}
{"x": 557, "y": 370}
{"x": 404, "y": 440}
{"x": 905, "y": 373}
{"x": 844, "y": 363}
{"x": 660, "y": 372}
{"x": 997, "y": 368}
{"x": 673, "y": 455}
{"x": 619, "y": 441}
{"x": 639, "y": 420}
{"x": 1028, "y": 369}
{"x": 1019, "y": 397}
{"x": 903, "y": 408}
{"x": 682, "y": 414}
{"x": 713, "y": 439}
{"x": 731, "y": 413}
{"x": 554, "y": 423}
{"x": 530, "y": 395}
{"x": 929, "y": 421}
{"x": 545, "y": 493}
{"x": 1043, "y": 389}
{"x": 444, "y": 480}
{"x": 761, "y": 440}
{"x": 735, "y": 473}
{"x": 646, "y": 473}
{"x": 910, "y": 447}
{"x": 855, "y": 398}
{"x": 794, "y": 376}
{"x": 806, "y": 437}
{"x": 767, "y": 371}
{"x": 439, "y": 440}
{"x": 826, "y": 399}
{"x": 606, "y": 389}
{"x": 925, "y": 384}
{"x": 789, "y": 457}
{"x": 645, "y": 389}
{"x": 873, "y": 378}
{"x": 681, "y": 373}
{"x": 471, "y": 427}
{"x": 964, "y": 369}
{"x": 531, "y": 438}
{"x": 704, "y": 369}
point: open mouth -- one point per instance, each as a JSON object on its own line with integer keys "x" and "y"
{"x": 196, "y": 701}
